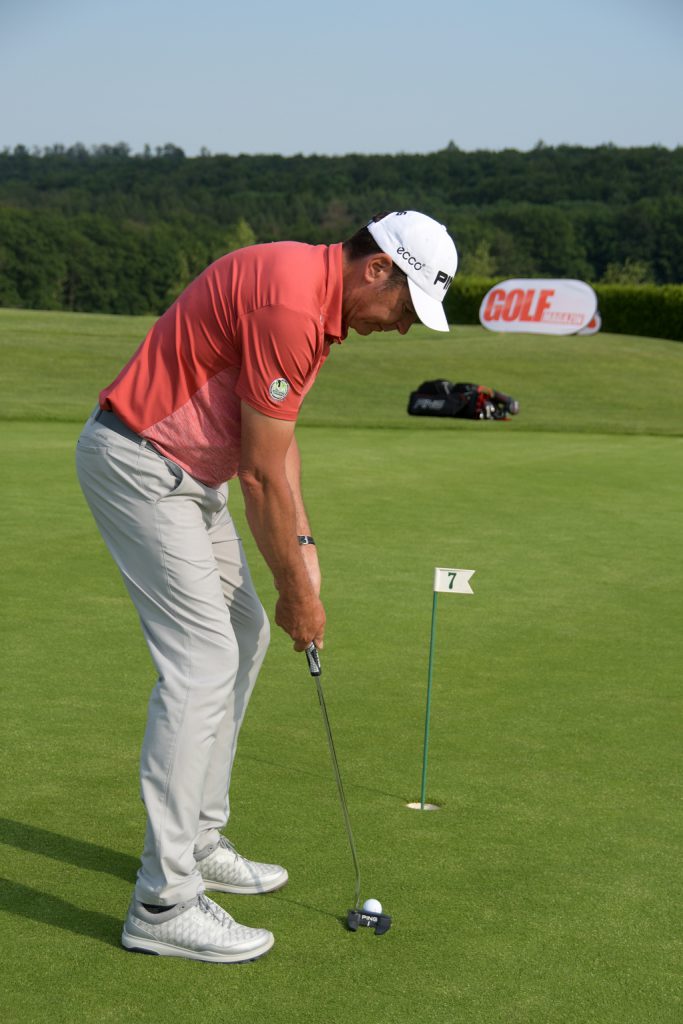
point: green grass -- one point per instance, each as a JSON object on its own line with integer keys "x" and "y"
{"x": 55, "y": 364}
{"x": 545, "y": 891}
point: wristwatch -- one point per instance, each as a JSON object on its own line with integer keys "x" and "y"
{"x": 305, "y": 540}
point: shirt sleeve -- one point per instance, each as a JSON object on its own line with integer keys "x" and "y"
{"x": 282, "y": 351}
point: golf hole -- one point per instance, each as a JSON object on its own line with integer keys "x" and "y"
{"x": 417, "y": 806}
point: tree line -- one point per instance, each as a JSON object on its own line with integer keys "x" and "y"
{"x": 108, "y": 230}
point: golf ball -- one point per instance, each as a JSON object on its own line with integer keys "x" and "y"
{"x": 372, "y": 907}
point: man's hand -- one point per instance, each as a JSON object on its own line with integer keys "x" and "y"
{"x": 304, "y": 620}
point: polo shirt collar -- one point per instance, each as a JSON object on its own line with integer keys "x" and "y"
{"x": 334, "y": 326}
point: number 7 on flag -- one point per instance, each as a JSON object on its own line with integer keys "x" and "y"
{"x": 453, "y": 581}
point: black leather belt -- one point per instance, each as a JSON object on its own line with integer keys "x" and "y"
{"x": 110, "y": 420}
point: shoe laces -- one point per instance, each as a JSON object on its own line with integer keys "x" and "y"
{"x": 207, "y": 906}
{"x": 227, "y": 845}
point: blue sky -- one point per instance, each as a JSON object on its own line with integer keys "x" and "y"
{"x": 314, "y": 77}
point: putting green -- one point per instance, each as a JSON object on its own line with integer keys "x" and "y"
{"x": 544, "y": 890}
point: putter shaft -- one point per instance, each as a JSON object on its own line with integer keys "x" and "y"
{"x": 315, "y": 669}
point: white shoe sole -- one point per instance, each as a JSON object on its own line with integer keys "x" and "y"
{"x": 137, "y": 944}
{"x": 244, "y": 890}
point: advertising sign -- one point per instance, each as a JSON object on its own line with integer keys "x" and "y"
{"x": 594, "y": 326}
{"x": 534, "y": 306}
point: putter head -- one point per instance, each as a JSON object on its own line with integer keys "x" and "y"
{"x": 356, "y": 919}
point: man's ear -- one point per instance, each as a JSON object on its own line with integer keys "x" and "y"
{"x": 378, "y": 268}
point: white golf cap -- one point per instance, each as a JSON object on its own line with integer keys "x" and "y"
{"x": 424, "y": 250}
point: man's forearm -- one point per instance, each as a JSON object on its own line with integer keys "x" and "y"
{"x": 271, "y": 511}
{"x": 309, "y": 553}
{"x": 293, "y": 472}
{"x": 271, "y": 503}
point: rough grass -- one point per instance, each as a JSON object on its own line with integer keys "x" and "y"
{"x": 55, "y": 364}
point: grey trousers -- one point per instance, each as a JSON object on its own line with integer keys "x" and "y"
{"x": 183, "y": 564}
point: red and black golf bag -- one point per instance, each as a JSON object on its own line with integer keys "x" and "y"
{"x": 460, "y": 400}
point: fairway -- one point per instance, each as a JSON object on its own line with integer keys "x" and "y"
{"x": 545, "y": 890}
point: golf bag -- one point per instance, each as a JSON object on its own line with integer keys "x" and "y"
{"x": 463, "y": 401}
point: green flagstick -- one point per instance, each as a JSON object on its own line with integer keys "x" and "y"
{"x": 449, "y": 581}
{"x": 429, "y": 702}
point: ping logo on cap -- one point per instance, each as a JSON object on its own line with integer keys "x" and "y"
{"x": 443, "y": 278}
{"x": 279, "y": 389}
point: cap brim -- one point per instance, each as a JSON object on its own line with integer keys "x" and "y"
{"x": 429, "y": 310}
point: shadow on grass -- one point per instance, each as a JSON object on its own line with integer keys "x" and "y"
{"x": 316, "y": 775}
{"x": 68, "y": 850}
{"x": 307, "y": 906}
{"x": 45, "y": 908}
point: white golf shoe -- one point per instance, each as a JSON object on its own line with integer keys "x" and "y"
{"x": 198, "y": 930}
{"x": 223, "y": 869}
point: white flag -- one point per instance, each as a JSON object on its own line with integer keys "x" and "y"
{"x": 453, "y": 581}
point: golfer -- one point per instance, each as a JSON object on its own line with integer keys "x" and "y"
{"x": 213, "y": 393}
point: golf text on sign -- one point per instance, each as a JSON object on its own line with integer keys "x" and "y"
{"x": 538, "y": 307}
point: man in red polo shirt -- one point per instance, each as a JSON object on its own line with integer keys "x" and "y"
{"x": 212, "y": 393}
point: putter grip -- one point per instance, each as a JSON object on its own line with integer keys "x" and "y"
{"x": 314, "y": 666}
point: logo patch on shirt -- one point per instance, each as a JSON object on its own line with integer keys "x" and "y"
{"x": 279, "y": 389}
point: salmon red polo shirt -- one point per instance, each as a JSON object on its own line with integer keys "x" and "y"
{"x": 255, "y": 326}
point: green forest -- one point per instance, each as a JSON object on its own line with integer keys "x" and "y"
{"x": 108, "y": 230}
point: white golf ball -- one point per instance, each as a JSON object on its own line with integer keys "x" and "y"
{"x": 372, "y": 907}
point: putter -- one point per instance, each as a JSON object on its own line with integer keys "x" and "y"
{"x": 355, "y": 917}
